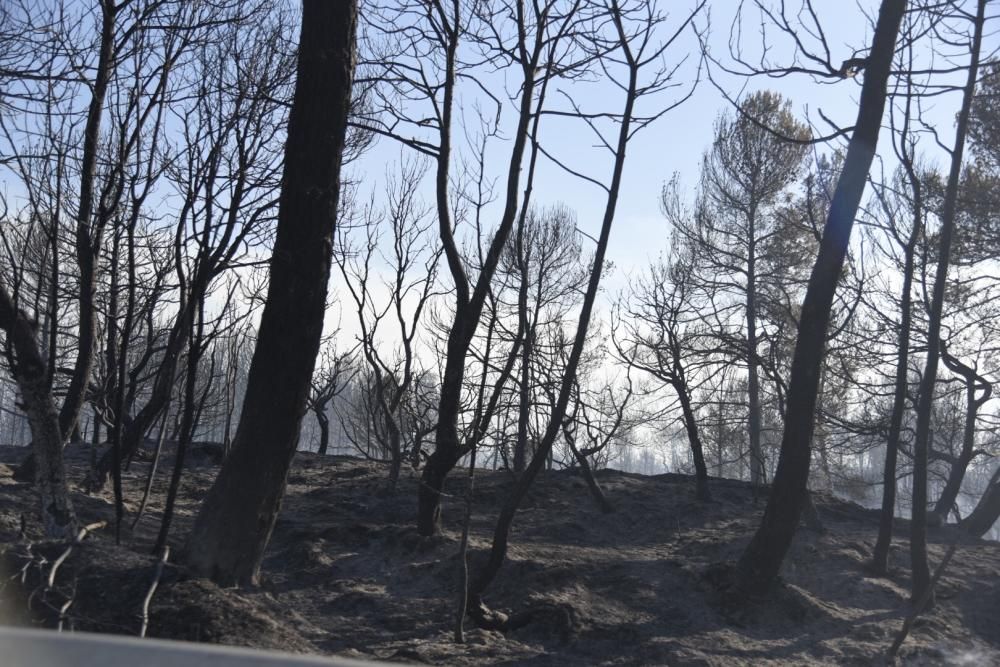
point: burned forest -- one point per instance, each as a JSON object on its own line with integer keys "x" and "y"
{"x": 561, "y": 332}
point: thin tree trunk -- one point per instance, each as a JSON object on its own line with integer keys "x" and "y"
{"x": 52, "y": 309}
{"x": 759, "y": 564}
{"x": 233, "y": 528}
{"x": 753, "y": 379}
{"x": 524, "y": 390}
{"x": 468, "y": 307}
{"x": 189, "y": 421}
{"x": 116, "y": 351}
{"x": 95, "y": 439}
{"x": 152, "y": 470}
{"x": 501, "y": 534}
{"x": 324, "y": 430}
{"x": 920, "y": 570}
{"x": 959, "y": 466}
{"x": 447, "y": 449}
{"x": 588, "y": 475}
{"x": 395, "y": 452}
{"x": 880, "y": 555}
{"x": 697, "y": 453}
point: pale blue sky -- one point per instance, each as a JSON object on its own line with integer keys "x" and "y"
{"x": 676, "y": 142}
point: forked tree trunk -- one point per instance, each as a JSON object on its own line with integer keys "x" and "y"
{"x": 501, "y": 533}
{"x": 88, "y": 248}
{"x": 448, "y": 447}
{"x": 29, "y": 370}
{"x": 588, "y": 474}
{"x": 232, "y": 530}
{"x": 136, "y": 428}
{"x": 960, "y": 464}
{"x": 759, "y": 564}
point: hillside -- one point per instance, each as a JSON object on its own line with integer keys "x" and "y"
{"x": 347, "y": 574}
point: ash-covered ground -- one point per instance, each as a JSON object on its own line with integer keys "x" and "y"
{"x": 347, "y": 574}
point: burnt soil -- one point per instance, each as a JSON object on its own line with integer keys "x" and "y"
{"x": 347, "y": 574}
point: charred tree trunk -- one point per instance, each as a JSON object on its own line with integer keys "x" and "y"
{"x": 234, "y": 525}
{"x": 324, "y": 430}
{"x": 753, "y": 378}
{"x": 524, "y": 390}
{"x": 501, "y": 533}
{"x": 191, "y": 415}
{"x": 88, "y": 248}
{"x": 880, "y": 555}
{"x": 973, "y": 383}
{"x": 163, "y": 383}
{"x": 28, "y": 368}
{"x": 396, "y": 452}
{"x": 759, "y": 564}
{"x": 86, "y": 245}
{"x": 588, "y": 475}
{"x": 697, "y": 451}
{"x": 921, "y": 575}
{"x": 448, "y": 448}
{"x": 117, "y": 359}
{"x": 151, "y": 475}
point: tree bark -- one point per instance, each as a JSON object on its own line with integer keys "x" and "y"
{"x": 448, "y": 448}
{"x": 324, "y": 430}
{"x": 920, "y": 570}
{"x": 88, "y": 248}
{"x": 232, "y": 530}
{"x": 697, "y": 452}
{"x": 880, "y": 555}
{"x": 588, "y": 474}
{"x": 501, "y": 533}
{"x": 753, "y": 379}
{"x": 28, "y": 368}
{"x": 759, "y": 564}
{"x": 973, "y": 382}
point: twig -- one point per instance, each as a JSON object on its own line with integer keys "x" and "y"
{"x": 65, "y": 608}
{"x": 80, "y": 536}
{"x": 51, "y": 580}
{"x": 152, "y": 589}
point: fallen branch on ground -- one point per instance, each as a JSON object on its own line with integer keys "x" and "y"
{"x": 144, "y": 613}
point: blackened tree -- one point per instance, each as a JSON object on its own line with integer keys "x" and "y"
{"x": 234, "y": 525}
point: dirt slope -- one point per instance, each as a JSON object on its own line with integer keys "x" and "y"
{"x": 347, "y": 574}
